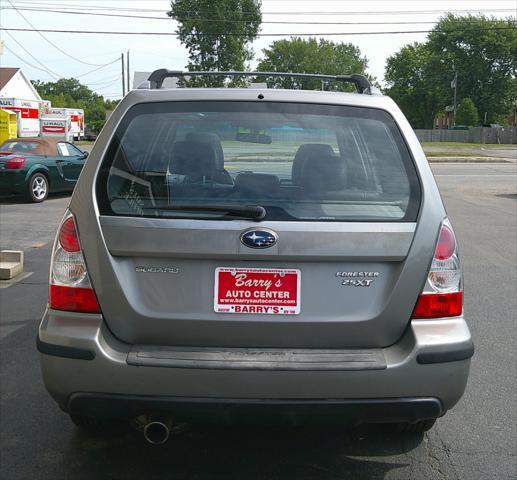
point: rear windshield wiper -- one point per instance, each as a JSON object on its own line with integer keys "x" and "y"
{"x": 255, "y": 212}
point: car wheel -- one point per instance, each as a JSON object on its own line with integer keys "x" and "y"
{"x": 37, "y": 189}
{"x": 418, "y": 427}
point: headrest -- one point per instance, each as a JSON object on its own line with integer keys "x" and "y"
{"x": 260, "y": 183}
{"x": 323, "y": 173}
{"x": 211, "y": 139}
{"x": 193, "y": 159}
{"x": 308, "y": 150}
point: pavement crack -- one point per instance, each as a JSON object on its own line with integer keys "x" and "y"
{"x": 448, "y": 453}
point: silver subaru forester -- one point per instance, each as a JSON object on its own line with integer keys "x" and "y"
{"x": 255, "y": 254}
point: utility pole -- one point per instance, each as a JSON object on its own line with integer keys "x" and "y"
{"x": 123, "y": 76}
{"x": 455, "y": 96}
{"x": 128, "y": 74}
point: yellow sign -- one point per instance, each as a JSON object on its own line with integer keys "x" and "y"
{"x": 8, "y": 125}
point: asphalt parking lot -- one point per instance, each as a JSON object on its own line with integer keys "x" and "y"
{"x": 476, "y": 440}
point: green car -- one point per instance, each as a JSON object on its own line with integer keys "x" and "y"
{"x": 35, "y": 167}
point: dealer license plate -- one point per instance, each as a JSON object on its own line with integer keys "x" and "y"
{"x": 272, "y": 291}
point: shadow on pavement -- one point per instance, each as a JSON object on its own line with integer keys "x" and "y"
{"x": 241, "y": 453}
{"x": 19, "y": 199}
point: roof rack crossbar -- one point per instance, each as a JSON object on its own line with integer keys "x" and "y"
{"x": 361, "y": 83}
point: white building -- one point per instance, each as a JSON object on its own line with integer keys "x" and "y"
{"x": 18, "y": 95}
{"x": 14, "y": 84}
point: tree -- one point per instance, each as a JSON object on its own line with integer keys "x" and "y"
{"x": 217, "y": 34}
{"x": 70, "y": 93}
{"x": 407, "y": 78}
{"x": 480, "y": 49}
{"x": 483, "y": 52}
{"x": 467, "y": 113}
{"x": 311, "y": 56}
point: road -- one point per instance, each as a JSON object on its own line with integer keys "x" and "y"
{"x": 476, "y": 440}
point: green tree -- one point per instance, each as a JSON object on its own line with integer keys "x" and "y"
{"x": 467, "y": 113}
{"x": 311, "y": 56}
{"x": 70, "y": 93}
{"x": 484, "y": 53}
{"x": 480, "y": 49}
{"x": 407, "y": 79}
{"x": 217, "y": 34}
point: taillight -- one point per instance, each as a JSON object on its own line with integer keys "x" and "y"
{"x": 15, "y": 163}
{"x": 442, "y": 295}
{"x": 68, "y": 238}
{"x": 70, "y": 288}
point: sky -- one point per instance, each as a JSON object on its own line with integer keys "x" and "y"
{"x": 84, "y": 56}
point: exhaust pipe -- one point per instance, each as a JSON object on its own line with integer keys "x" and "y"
{"x": 157, "y": 432}
{"x": 158, "y": 428}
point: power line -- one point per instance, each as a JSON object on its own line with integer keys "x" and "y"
{"x": 100, "y": 82}
{"x": 285, "y": 34}
{"x": 48, "y": 41}
{"x": 108, "y": 85}
{"x": 96, "y": 69}
{"x": 290, "y": 13}
{"x": 53, "y": 74}
{"x": 27, "y": 63}
{"x": 219, "y": 20}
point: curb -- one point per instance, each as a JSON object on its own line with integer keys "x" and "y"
{"x": 11, "y": 264}
{"x": 470, "y": 160}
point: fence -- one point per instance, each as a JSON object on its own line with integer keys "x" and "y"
{"x": 473, "y": 135}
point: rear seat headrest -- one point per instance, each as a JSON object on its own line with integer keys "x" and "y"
{"x": 211, "y": 139}
{"x": 323, "y": 173}
{"x": 306, "y": 151}
{"x": 193, "y": 159}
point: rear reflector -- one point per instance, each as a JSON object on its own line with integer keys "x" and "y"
{"x": 73, "y": 299}
{"x": 446, "y": 245}
{"x": 15, "y": 163}
{"x": 438, "y": 305}
{"x": 68, "y": 238}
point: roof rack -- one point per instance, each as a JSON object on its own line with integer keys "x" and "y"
{"x": 362, "y": 84}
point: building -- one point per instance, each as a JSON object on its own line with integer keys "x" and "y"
{"x": 14, "y": 84}
{"x": 140, "y": 77}
{"x": 17, "y": 94}
{"x": 445, "y": 119}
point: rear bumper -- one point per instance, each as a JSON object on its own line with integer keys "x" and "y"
{"x": 202, "y": 410}
{"x": 86, "y": 369}
{"x": 12, "y": 182}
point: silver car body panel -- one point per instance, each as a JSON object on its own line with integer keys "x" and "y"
{"x": 109, "y": 372}
{"x": 172, "y": 308}
{"x": 179, "y": 311}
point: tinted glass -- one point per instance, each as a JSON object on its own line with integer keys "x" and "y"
{"x": 18, "y": 146}
{"x": 297, "y": 161}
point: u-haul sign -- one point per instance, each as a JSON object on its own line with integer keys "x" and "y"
{"x": 55, "y": 127}
{"x": 28, "y": 114}
{"x": 76, "y": 119}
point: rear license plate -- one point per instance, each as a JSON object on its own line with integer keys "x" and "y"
{"x": 270, "y": 291}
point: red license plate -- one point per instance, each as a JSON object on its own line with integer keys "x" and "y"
{"x": 272, "y": 291}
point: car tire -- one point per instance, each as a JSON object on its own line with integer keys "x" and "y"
{"x": 417, "y": 427}
{"x": 37, "y": 188}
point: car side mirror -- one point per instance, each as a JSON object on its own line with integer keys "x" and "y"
{"x": 85, "y": 154}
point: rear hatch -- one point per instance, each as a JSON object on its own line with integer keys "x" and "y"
{"x": 248, "y": 224}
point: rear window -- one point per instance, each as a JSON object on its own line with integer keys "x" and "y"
{"x": 19, "y": 146}
{"x": 298, "y": 162}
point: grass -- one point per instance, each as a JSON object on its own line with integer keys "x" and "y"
{"x": 468, "y": 145}
{"x": 84, "y": 142}
{"x": 455, "y": 154}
